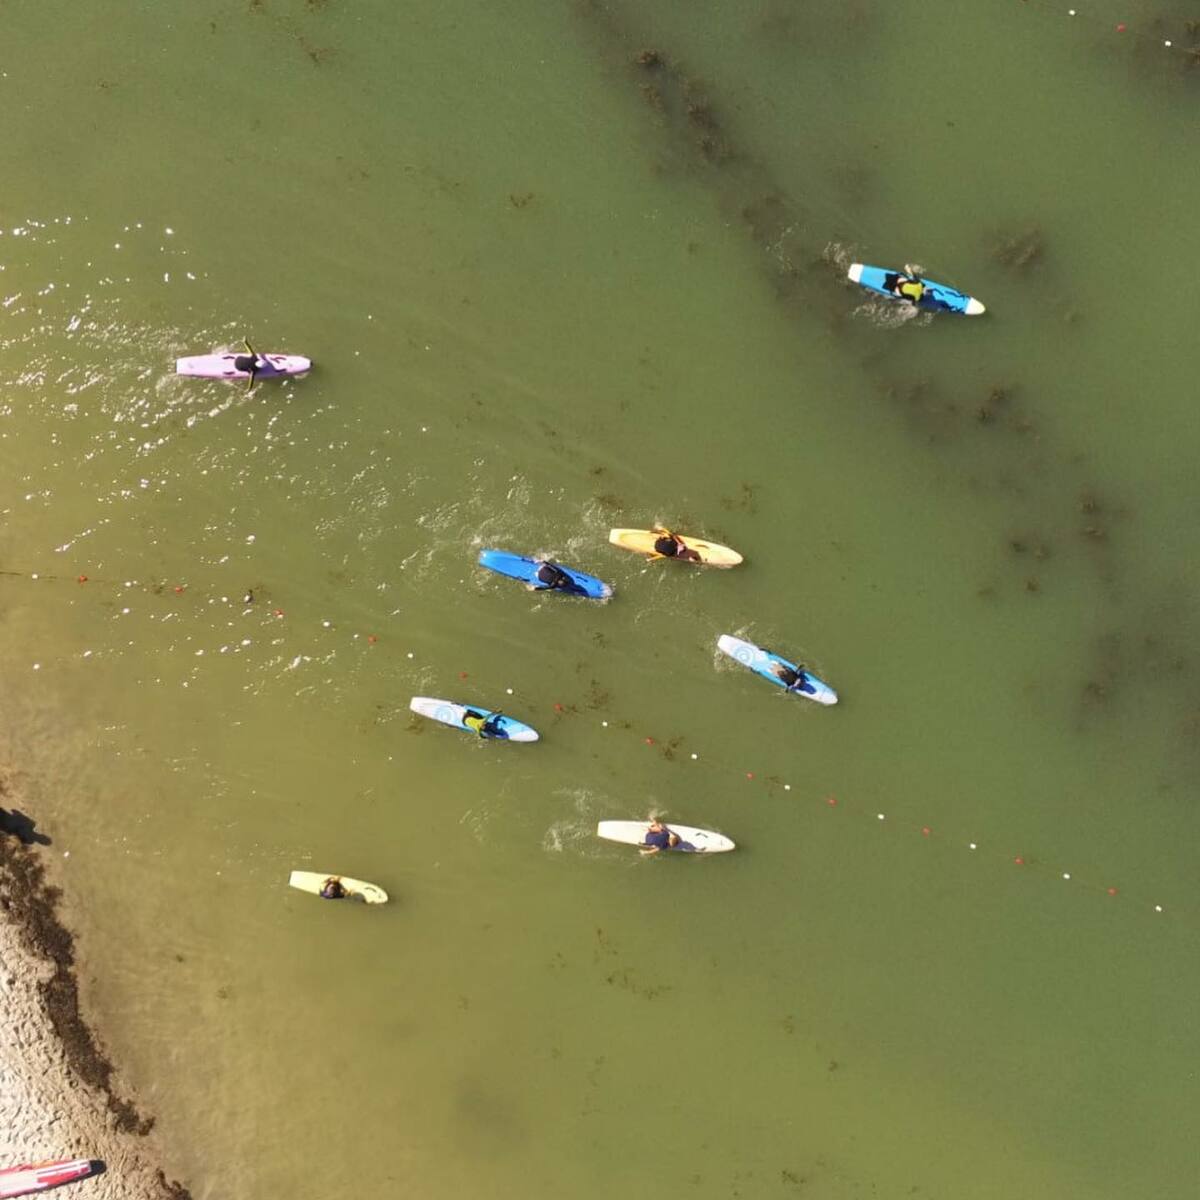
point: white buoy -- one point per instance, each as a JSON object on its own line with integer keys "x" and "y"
{"x": 971, "y": 846}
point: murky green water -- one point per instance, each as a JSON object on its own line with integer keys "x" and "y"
{"x": 549, "y": 291}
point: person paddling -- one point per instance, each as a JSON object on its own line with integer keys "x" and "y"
{"x": 488, "y": 726}
{"x": 658, "y": 838}
{"x": 908, "y": 287}
{"x": 332, "y": 889}
{"x": 248, "y": 362}
{"x": 550, "y": 577}
{"x": 670, "y": 545}
{"x": 793, "y": 680}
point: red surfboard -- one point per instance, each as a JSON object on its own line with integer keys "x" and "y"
{"x": 40, "y": 1177}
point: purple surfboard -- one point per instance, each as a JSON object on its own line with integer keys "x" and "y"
{"x": 224, "y": 366}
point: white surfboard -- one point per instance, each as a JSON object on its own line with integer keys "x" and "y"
{"x": 224, "y": 366}
{"x": 692, "y": 840}
{"x": 356, "y": 889}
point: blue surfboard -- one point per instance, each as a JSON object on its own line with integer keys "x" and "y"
{"x": 760, "y": 660}
{"x": 937, "y": 297}
{"x": 506, "y": 729}
{"x": 525, "y": 569}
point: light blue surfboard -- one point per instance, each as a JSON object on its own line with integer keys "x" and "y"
{"x": 759, "y": 661}
{"x": 507, "y": 729}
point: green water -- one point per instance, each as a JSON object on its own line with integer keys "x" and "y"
{"x": 540, "y": 308}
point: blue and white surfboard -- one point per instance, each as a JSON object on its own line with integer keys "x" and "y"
{"x": 760, "y": 661}
{"x": 506, "y": 729}
{"x": 937, "y": 297}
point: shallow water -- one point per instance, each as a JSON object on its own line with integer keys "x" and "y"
{"x": 541, "y": 305}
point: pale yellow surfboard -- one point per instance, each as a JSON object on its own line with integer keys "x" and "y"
{"x": 641, "y": 541}
{"x": 356, "y": 889}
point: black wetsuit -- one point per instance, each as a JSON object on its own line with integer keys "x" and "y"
{"x": 550, "y": 576}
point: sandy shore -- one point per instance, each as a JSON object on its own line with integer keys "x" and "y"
{"x": 58, "y": 1093}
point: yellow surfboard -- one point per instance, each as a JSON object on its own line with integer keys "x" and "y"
{"x": 641, "y": 541}
{"x": 356, "y": 889}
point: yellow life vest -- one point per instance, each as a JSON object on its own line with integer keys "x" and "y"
{"x": 473, "y": 722}
{"x": 912, "y": 289}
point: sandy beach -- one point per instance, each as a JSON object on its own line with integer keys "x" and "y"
{"x": 58, "y": 1093}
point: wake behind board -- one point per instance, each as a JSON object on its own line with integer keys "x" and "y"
{"x": 692, "y": 840}
{"x": 759, "y": 661}
{"x": 30, "y": 1178}
{"x": 516, "y": 566}
{"x": 641, "y": 541}
{"x": 224, "y": 366}
{"x": 937, "y": 297}
{"x": 449, "y": 713}
{"x": 356, "y": 889}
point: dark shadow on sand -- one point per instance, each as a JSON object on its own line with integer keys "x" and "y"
{"x": 17, "y": 824}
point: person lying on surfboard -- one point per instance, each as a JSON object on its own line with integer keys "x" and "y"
{"x": 549, "y": 577}
{"x": 658, "y": 837}
{"x": 486, "y": 727}
{"x": 907, "y": 287}
{"x": 669, "y": 545}
{"x": 332, "y": 889}
{"x": 794, "y": 681}
{"x": 248, "y": 362}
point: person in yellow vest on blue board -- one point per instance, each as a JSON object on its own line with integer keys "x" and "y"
{"x": 485, "y": 726}
{"x": 908, "y": 287}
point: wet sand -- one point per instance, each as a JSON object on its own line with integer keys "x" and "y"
{"x": 59, "y": 1097}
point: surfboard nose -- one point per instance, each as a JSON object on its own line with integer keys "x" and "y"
{"x": 974, "y": 308}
